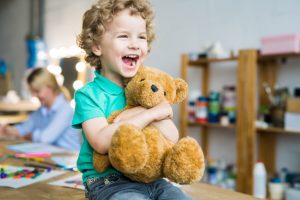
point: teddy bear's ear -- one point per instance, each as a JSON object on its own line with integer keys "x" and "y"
{"x": 181, "y": 90}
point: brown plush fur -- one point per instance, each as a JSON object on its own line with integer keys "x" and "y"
{"x": 146, "y": 155}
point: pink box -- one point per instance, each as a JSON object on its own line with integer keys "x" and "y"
{"x": 280, "y": 44}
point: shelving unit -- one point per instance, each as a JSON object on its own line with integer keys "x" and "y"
{"x": 251, "y": 68}
{"x": 205, "y": 65}
{"x": 267, "y": 68}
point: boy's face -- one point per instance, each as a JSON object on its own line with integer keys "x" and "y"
{"x": 123, "y": 46}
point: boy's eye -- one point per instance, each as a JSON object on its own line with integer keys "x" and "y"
{"x": 143, "y": 37}
{"x": 122, "y": 36}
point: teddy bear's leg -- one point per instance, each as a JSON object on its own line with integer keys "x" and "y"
{"x": 128, "y": 151}
{"x": 185, "y": 162}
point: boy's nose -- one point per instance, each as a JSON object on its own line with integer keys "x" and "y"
{"x": 133, "y": 45}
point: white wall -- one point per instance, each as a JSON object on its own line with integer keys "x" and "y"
{"x": 14, "y": 23}
{"x": 63, "y": 21}
{"x": 185, "y": 26}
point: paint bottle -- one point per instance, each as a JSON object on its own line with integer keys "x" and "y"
{"x": 201, "y": 109}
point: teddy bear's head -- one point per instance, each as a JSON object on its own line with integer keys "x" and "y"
{"x": 150, "y": 86}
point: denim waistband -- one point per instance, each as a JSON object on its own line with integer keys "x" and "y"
{"x": 101, "y": 180}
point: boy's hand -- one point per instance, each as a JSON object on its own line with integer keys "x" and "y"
{"x": 162, "y": 111}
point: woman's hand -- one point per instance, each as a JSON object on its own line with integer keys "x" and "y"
{"x": 2, "y": 129}
{"x": 7, "y": 130}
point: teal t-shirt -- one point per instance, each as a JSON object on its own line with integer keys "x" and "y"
{"x": 98, "y": 98}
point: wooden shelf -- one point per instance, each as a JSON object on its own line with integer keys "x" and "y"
{"x": 212, "y": 125}
{"x": 276, "y": 56}
{"x": 204, "y": 61}
{"x": 12, "y": 119}
{"x": 277, "y": 130}
{"x": 21, "y": 106}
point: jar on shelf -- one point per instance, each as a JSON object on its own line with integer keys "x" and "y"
{"x": 191, "y": 111}
{"x": 214, "y": 107}
{"x": 229, "y": 102}
{"x": 202, "y": 109}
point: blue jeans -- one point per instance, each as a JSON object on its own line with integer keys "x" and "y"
{"x": 121, "y": 188}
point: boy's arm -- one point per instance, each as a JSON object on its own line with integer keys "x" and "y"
{"x": 168, "y": 129}
{"x": 166, "y": 126}
{"x": 99, "y": 133}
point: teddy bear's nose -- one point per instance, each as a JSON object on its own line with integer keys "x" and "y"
{"x": 154, "y": 88}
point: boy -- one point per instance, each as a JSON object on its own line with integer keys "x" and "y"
{"x": 116, "y": 35}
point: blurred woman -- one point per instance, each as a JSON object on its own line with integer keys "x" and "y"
{"x": 51, "y": 123}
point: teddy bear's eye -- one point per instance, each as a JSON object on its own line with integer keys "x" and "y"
{"x": 165, "y": 93}
{"x": 142, "y": 79}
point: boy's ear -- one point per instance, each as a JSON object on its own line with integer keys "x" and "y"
{"x": 96, "y": 49}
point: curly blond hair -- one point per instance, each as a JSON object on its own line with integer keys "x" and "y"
{"x": 96, "y": 18}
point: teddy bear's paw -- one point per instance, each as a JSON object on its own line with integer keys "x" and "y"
{"x": 185, "y": 163}
{"x": 101, "y": 162}
{"x": 128, "y": 151}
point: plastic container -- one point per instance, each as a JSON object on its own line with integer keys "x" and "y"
{"x": 191, "y": 111}
{"x": 276, "y": 189}
{"x": 229, "y": 102}
{"x": 259, "y": 181}
{"x": 214, "y": 107}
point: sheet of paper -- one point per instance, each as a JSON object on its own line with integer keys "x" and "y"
{"x": 66, "y": 161}
{"x": 36, "y": 147}
{"x": 21, "y": 182}
{"x": 72, "y": 182}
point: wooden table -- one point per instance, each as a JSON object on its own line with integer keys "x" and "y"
{"x": 42, "y": 190}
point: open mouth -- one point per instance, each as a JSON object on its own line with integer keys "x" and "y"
{"x": 130, "y": 60}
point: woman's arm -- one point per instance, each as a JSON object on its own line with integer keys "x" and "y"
{"x": 99, "y": 132}
{"x": 59, "y": 122}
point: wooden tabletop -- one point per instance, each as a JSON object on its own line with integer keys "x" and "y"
{"x": 42, "y": 190}
{"x": 21, "y": 106}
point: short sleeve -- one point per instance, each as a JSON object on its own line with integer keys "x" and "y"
{"x": 85, "y": 108}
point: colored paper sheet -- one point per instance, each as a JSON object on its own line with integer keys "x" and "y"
{"x": 21, "y": 182}
{"x": 72, "y": 182}
{"x": 36, "y": 147}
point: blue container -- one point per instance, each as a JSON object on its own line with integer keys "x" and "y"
{"x": 3, "y": 68}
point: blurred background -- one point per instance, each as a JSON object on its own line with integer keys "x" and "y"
{"x": 191, "y": 27}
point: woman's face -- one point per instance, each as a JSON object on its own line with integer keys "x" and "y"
{"x": 45, "y": 94}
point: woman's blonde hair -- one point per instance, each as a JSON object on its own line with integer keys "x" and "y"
{"x": 96, "y": 18}
{"x": 41, "y": 77}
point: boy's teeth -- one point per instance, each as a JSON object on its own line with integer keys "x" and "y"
{"x": 131, "y": 56}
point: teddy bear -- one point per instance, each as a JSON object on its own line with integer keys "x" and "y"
{"x": 146, "y": 155}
